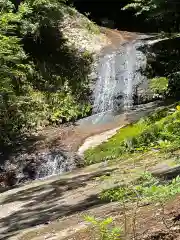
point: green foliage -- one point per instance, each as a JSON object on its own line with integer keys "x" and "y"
{"x": 63, "y": 107}
{"x": 144, "y": 6}
{"x": 102, "y": 229}
{"x": 43, "y": 81}
{"x": 145, "y": 190}
{"x": 149, "y": 189}
{"x": 159, "y": 85}
{"x": 165, "y": 14}
{"x": 91, "y": 27}
{"x": 131, "y": 192}
{"x": 147, "y": 133}
{"x": 112, "y": 148}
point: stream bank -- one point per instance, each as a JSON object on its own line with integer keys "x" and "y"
{"x": 52, "y": 150}
{"x": 46, "y": 147}
{"x": 54, "y": 208}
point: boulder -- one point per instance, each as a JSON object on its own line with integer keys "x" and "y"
{"x": 165, "y": 171}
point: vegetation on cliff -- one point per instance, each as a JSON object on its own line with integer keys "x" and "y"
{"x": 146, "y": 179}
{"x": 163, "y": 14}
{"x": 44, "y": 79}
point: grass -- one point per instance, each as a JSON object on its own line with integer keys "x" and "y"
{"x": 134, "y": 149}
{"x": 143, "y": 191}
{"x": 159, "y": 85}
{"x": 91, "y": 27}
{"x": 157, "y": 131}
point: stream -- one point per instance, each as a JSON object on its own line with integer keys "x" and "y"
{"x": 118, "y": 72}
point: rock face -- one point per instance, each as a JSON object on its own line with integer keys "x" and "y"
{"x": 162, "y": 61}
{"x": 143, "y": 92}
{"x": 31, "y": 166}
{"x": 85, "y": 36}
{"x": 81, "y": 33}
{"x": 166, "y": 172}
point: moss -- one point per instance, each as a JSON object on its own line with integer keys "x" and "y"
{"x": 159, "y": 131}
{"x": 159, "y": 85}
{"x": 112, "y": 148}
{"x": 91, "y": 27}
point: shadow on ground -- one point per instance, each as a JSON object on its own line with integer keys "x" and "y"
{"x": 47, "y": 202}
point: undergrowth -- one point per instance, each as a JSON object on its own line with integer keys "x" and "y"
{"x": 103, "y": 229}
{"x": 159, "y": 85}
{"x": 157, "y": 131}
{"x": 146, "y": 190}
{"x": 43, "y": 80}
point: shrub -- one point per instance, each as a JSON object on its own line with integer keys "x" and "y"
{"x": 43, "y": 81}
{"x": 102, "y": 229}
{"x": 147, "y": 133}
{"x": 159, "y": 85}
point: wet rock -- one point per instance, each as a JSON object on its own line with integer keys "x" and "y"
{"x": 107, "y": 22}
{"x": 8, "y": 178}
{"x": 11, "y": 178}
{"x": 30, "y": 170}
{"x": 78, "y": 160}
{"x": 30, "y": 166}
{"x": 10, "y": 174}
{"x": 165, "y": 171}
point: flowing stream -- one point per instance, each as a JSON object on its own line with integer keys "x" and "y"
{"x": 118, "y": 74}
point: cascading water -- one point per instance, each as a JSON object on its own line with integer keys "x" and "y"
{"x": 118, "y": 74}
{"x": 45, "y": 164}
{"x": 55, "y": 163}
{"x": 130, "y": 64}
{"x": 105, "y": 86}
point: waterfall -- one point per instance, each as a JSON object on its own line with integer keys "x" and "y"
{"x": 129, "y": 74}
{"x": 118, "y": 74}
{"x": 44, "y": 164}
{"x": 105, "y": 86}
{"x": 55, "y": 163}
{"x": 52, "y": 166}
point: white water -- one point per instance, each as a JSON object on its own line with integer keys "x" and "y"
{"x": 129, "y": 74}
{"x": 105, "y": 86}
{"x": 55, "y": 164}
{"x": 118, "y": 75}
{"x": 45, "y": 164}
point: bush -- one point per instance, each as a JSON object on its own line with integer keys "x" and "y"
{"x": 102, "y": 229}
{"x": 159, "y": 85}
{"x": 43, "y": 81}
{"x": 141, "y": 136}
